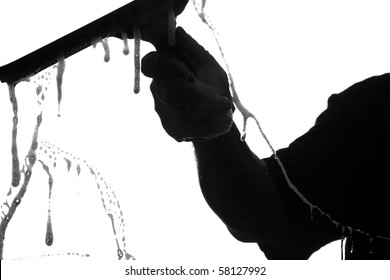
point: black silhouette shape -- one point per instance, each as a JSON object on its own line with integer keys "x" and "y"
{"x": 340, "y": 164}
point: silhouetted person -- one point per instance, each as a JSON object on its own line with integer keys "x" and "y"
{"x": 340, "y": 164}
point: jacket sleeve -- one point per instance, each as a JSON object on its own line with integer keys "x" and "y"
{"x": 337, "y": 166}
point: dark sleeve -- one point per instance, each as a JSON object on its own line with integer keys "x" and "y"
{"x": 340, "y": 166}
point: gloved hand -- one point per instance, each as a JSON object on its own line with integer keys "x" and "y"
{"x": 190, "y": 90}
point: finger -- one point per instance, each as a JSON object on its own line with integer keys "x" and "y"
{"x": 180, "y": 95}
{"x": 166, "y": 70}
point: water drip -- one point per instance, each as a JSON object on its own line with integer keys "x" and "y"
{"x": 126, "y": 49}
{"x": 16, "y": 171}
{"x": 342, "y": 241}
{"x": 106, "y": 48}
{"x": 108, "y": 198}
{"x": 60, "y": 76}
{"x": 49, "y": 228}
{"x": 14, "y": 147}
{"x": 137, "y": 59}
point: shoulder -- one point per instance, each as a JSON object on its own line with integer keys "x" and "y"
{"x": 338, "y": 163}
{"x": 376, "y": 85}
{"x": 366, "y": 99}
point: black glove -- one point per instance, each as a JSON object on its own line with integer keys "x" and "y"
{"x": 190, "y": 90}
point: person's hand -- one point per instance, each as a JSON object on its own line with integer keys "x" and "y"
{"x": 190, "y": 90}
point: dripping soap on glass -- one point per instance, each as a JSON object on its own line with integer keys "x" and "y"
{"x": 137, "y": 58}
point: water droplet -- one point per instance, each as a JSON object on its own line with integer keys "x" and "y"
{"x": 68, "y": 163}
{"x": 129, "y": 257}
{"x": 49, "y": 234}
{"x": 39, "y": 89}
{"x": 120, "y": 254}
{"x": 78, "y": 169}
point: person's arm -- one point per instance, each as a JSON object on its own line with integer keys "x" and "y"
{"x": 237, "y": 186}
{"x": 192, "y": 98}
{"x": 251, "y": 197}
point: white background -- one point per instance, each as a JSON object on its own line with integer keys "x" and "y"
{"x": 286, "y": 57}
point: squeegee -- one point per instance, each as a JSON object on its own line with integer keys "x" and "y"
{"x": 153, "y": 18}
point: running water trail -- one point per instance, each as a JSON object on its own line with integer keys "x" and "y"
{"x": 60, "y": 75}
{"x": 203, "y": 5}
{"x": 14, "y": 146}
{"x": 27, "y": 171}
{"x": 342, "y": 242}
{"x": 49, "y": 227}
{"x": 18, "y": 190}
{"x": 200, "y": 9}
{"x": 350, "y": 230}
{"x": 113, "y": 210}
{"x": 126, "y": 49}
{"x": 236, "y": 100}
{"x": 106, "y": 49}
{"x": 109, "y": 201}
{"x": 137, "y": 58}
